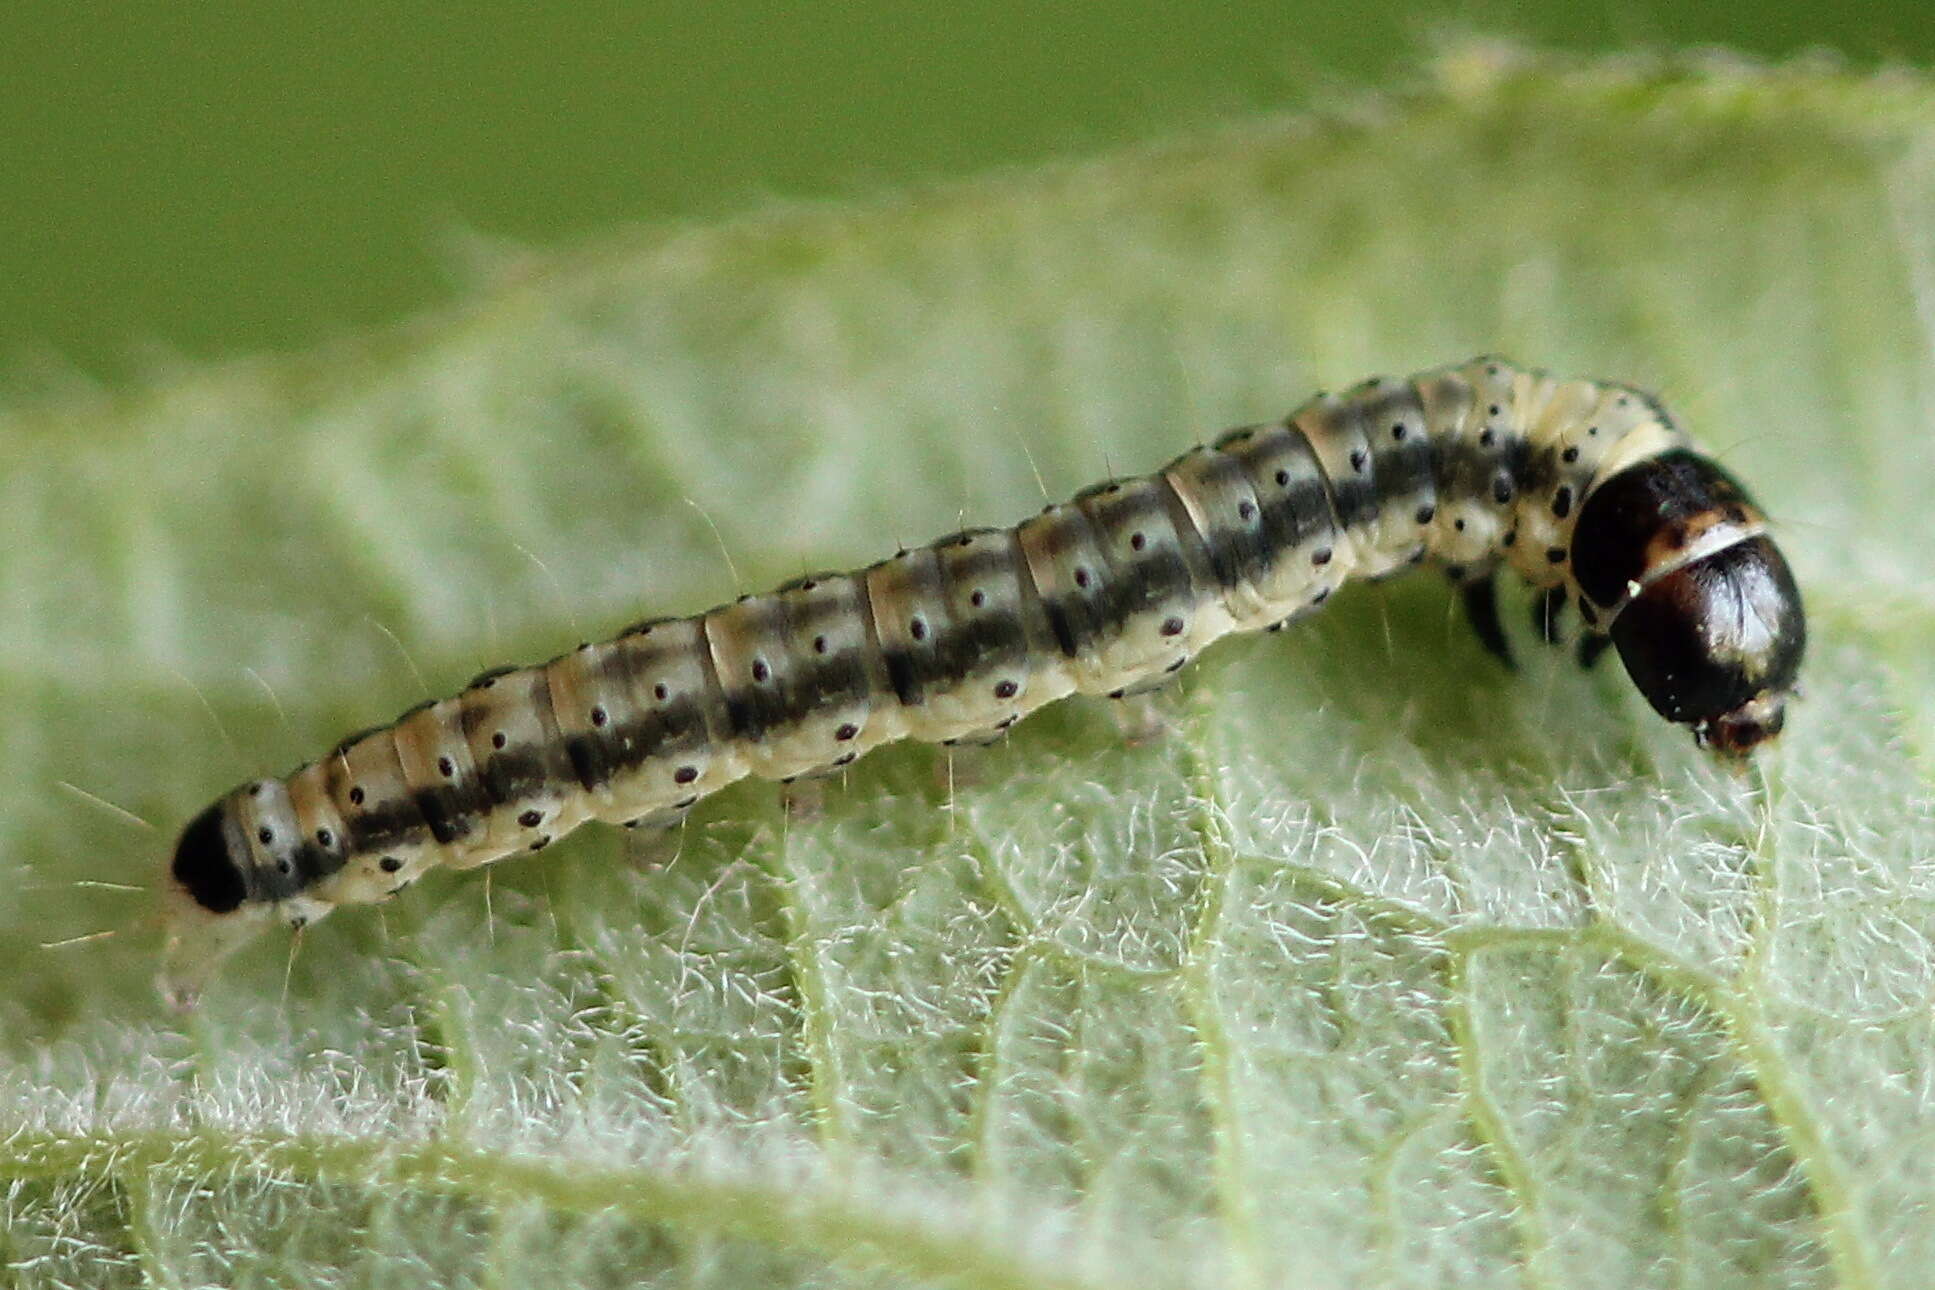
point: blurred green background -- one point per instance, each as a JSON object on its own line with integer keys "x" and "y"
{"x": 225, "y": 178}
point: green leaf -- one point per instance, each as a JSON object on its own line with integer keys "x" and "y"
{"x": 1381, "y": 967}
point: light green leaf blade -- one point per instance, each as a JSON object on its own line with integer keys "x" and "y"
{"x": 1381, "y": 968}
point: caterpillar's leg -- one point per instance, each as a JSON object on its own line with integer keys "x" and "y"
{"x": 1592, "y": 646}
{"x": 962, "y": 764}
{"x": 653, "y": 841}
{"x": 1139, "y": 716}
{"x": 1480, "y": 594}
{"x": 1547, "y": 611}
{"x": 804, "y": 798}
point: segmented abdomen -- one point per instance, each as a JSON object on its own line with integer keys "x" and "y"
{"x": 1107, "y": 593}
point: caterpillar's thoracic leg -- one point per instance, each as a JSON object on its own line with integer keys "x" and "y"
{"x": 1481, "y": 608}
{"x": 1591, "y": 647}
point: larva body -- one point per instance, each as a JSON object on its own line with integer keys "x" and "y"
{"x": 1582, "y": 487}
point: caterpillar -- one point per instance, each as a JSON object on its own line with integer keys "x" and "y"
{"x": 1586, "y": 488}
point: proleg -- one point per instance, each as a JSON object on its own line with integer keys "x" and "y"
{"x": 1587, "y": 489}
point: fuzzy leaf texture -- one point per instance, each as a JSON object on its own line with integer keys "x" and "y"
{"x": 1383, "y": 967}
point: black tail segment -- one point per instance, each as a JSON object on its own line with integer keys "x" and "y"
{"x": 1707, "y": 618}
{"x": 204, "y": 865}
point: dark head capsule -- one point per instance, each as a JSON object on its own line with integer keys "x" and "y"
{"x": 1707, "y": 620}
